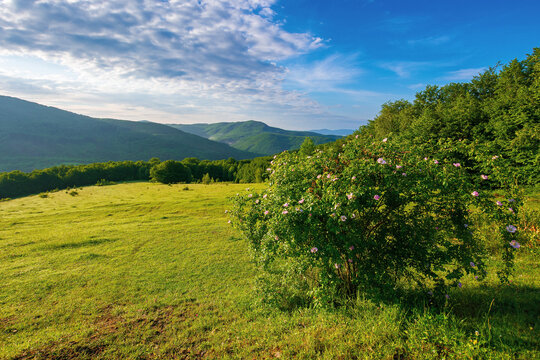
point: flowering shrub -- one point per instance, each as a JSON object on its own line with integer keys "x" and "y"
{"x": 369, "y": 215}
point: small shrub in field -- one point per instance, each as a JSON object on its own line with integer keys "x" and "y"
{"x": 206, "y": 179}
{"x": 73, "y": 193}
{"x": 104, "y": 182}
{"x": 369, "y": 216}
{"x": 43, "y": 195}
{"x": 185, "y": 188}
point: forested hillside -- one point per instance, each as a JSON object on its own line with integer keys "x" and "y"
{"x": 498, "y": 111}
{"x": 33, "y": 136}
{"x": 255, "y": 136}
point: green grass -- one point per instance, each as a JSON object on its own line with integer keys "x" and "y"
{"x": 148, "y": 271}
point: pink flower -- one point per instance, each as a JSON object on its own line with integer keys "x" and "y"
{"x": 398, "y": 166}
{"x": 495, "y": 157}
{"x": 257, "y": 201}
{"x": 268, "y": 169}
{"x": 350, "y": 260}
{"x": 353, "y": 178}
{"x": 376, "y": 197}
{"x": 266, "y": 212}
{"x": 337, "y": 266}
{"x": 356, "y": 137}
{"x": 425, "y": 158}
{"x": 319, "y": 176}
{"x": 457, "y": 164}
{"x": 250, "y": 195}
{"x": 328, "y": 176}
{"x": 385, "y": 140}
{"x": 381, "y": 161}
{"x": 475, "y": 193}
{"x": 404, "y": 174}
{"x": 511, "y": 229}
{"x": 301, "y": 201}
{"x": 286, "y": 204}
{"x": 499, "y": 203}
{"x": 350, "y": 196}
{"x": 343, "y": 218}
{"x": 351, "y": 247}
{"x": 285, "y": 212}
{"x": 472, "y": 264}
{"x": 511, "y": 210}
{"x": 484, "y": 177}
{"x": 229, "y": 221}
{"x": 314, "y": 250}
{"x": 436, "y": 162}
{"x": 515, "y": 244}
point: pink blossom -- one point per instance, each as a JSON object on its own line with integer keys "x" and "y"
{"x": 398, "y": 166}
{"x": 314, "y": 250}
{"x": 484, "y": 177}
{"x": 301, "y": 201}
{"x": 457, "y": 164}
{"x": 404, "y": 174}
{"x": 475, "y": 193}
{"x": 353, "y": 178}
{"x": 286, "y": 204}
{"x": 343, "y": 218}
{"x": 328, "y": 176}
{"x": 511, "y": 210}
{"x": 266, "y": 212}
{"x": 499, "y": 203}
{"x": 350, "y": 196}
{"x": 229, "y": 221}
{"x": 337, "y": 266}
{"x": 356, "y": 137}
{"x": 319, "y": 176}
{"x": 250, "y": 195}
{"x": 351, "y": 247}
{"x": 436, "y": 162}
{"x": 425, "y": 158}
{"x": 515, "y": 244}
{"x": 350, "y": 260}
{"x": 385, "y": 140}
{"x": 511, "y": 229}
{"x": 376, "y": 197}
{"x": 381, "y": 161}
{"x": 495, "y": 157}
{"x": 285, "y": 212}
{"x": 472, "y": 264}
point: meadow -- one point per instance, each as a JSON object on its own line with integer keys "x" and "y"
{"x": 150, "y": 271}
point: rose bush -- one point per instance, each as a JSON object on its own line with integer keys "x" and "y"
{"x": 369, "y": 215}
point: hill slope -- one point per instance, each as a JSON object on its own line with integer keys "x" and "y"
{"x": 36, "y": 136}
{"x": 254, "y": 136}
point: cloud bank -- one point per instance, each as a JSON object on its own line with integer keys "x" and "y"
{"x": 189, "y": 53}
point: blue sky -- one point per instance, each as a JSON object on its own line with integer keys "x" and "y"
{"x": 295, "y": 64}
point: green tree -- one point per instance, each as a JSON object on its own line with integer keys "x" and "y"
{"x": 170, "y": 172}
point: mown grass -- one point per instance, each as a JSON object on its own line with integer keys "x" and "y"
{"x": 148, "y": 271}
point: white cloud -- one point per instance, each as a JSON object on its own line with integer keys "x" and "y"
{"x": 463, "y": 74}
{"x": 208, "y": 53}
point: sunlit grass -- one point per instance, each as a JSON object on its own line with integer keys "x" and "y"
{"x": 143, "y": 270}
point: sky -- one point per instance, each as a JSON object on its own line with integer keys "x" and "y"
{"x": 294, "y": 64}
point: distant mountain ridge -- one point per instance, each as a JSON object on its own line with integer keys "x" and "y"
{"x": 254, "y": 136}
{"x": 34, "y": 136}
{"x": 339, "y": 132}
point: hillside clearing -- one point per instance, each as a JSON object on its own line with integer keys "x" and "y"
{"x": 142, "y": 270}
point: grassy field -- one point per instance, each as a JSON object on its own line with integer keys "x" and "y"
{"x": 148, "y": 271}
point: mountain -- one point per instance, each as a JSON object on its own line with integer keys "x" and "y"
{"x": 34, "y": 136}
{"x": 339, "y": 132}
{"x": 254, "y": 136}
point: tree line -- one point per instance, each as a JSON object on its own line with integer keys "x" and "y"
{"x": 18, "y": 183}
{"x": 498, "y": 111}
